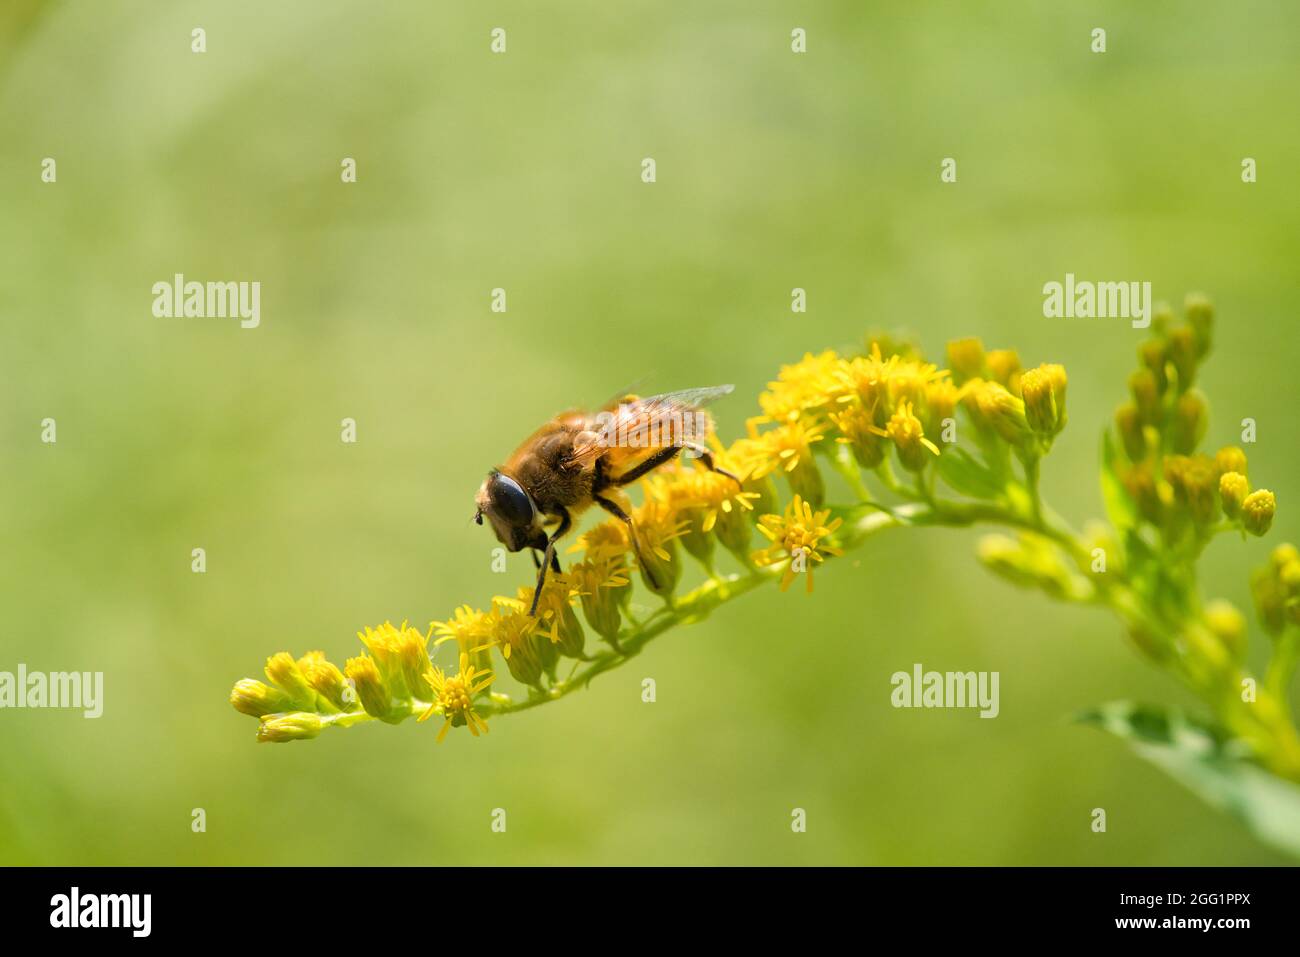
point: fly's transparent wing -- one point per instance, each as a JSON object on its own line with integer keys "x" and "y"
{"x": 645, "y": 424}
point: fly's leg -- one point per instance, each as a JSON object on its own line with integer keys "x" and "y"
{"x": 706, "y": 459}
{"x": 549, "y": 560}
{"x": 649, "y": 465}
{"x": 614, "y": 509}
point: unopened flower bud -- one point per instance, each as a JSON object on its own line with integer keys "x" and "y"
{"x": 525, "y": 664}
{"x": 252, "y": 697}
{"x": 1230, "y": 459}
{"x": 1154, "y": 355}
{"x": 1140, "y": 484}
{"x": 1183, "y": 355}
{"x": 1189, "y": 422}
{"x": 573, "y": 639}
{"x": 1228, "y": 625}
{"x": 1043, "y": 389}
{"x": 288, "y": 677}
{"x": 1199, "y": 486}
{"x": 1004, "y": 367}
{"x": 295, "y": 726}
{"x": 941, "y": 396}
{"x": 598, "y": 582}
{"x": 1233, "y": 489}
{"x": 966, "y": 359}
{"x": 327, "y": 681}
{"x": 996, "y": 409}
{"x": 1030, "y": 562}
{"x": 1200, "y": 318}
{"x": 1128, "y": 422}
{"x": 1270, "y": 601}
{"x": 1147, "y": 397}
{"x": 1162, "y": 318}
{"x": 1257, "y": 511}
{"x": 1150, "y": 643}
{"x": 1284, "y": 555}
{"x": 1289, "y": 577}
{"x": 695, "y": 539}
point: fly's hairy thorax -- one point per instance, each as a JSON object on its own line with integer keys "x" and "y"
{"x": 540, "y": 466}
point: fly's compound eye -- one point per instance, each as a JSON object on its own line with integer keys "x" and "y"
{"x": 510, "y": 501}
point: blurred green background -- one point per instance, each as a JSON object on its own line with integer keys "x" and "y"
{"x": 775, "y": 170}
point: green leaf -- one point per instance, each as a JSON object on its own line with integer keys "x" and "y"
{"x": 1212, "y": 765}
{"x": 959, "y": 469}
{"x": 1119, "y": 507}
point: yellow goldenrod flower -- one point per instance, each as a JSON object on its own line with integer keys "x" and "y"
{"x": 879, "y": 385}
{"x": 860, "y": 432}
{"x": 1257, "y": 511}
{"x": 789, "y": 445}
{"x": 371, "y": 690}
{"x": 681, "y": 491}
{"x": 598, "y": 583}
{"x": 514, "y": 634}
{"x": 285, "y": 674}
{"x": 557, "y": 620}
{"x": 797, "y": 540}
{"x": 907, "y": 434}
{"x": 907, "y": 382}
{"x": 471, "y": 629}
{"x": 401, "y": 654}
{"x": 326, "y": 679}
{"x": 609, "y": 539}
{"x": 748, "y": 459}
{"x": 453, "y": 697}
{"x": 725, "y": 510}
{"x": 806, "y": 389}
{"x": 708, "y": 502}
{"x": 657, "y": 529}
{"x": 864, "y": 378}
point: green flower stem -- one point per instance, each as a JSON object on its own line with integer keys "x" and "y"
{"x": 690, "y": 608}
{"x": 1282, "y": 666}
{"x": 842, "y": 462}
